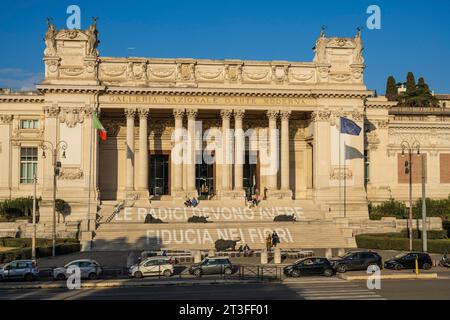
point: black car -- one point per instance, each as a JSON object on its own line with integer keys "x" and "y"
{"x": 219, "y": 265}
{"x": 309, "y": 266}
{"x": 357, "y": 260}
{"x": 408, "y": 261}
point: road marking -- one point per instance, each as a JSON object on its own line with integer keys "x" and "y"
{"x": 330, "y": 289}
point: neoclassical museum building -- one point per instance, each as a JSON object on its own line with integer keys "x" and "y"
{"x": 142, "y": 102}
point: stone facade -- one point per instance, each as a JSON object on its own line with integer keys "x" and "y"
{"x": 141, "y": 102}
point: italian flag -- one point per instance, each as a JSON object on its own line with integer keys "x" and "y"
{"x": 99, "y": 127}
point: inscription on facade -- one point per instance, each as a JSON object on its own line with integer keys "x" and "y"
{"x": 219, "y": 101}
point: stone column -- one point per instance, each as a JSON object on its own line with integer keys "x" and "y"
{"x": 239, "y": 149}
{"x": 177, "y": 152}
{"x": 130, "y": 114}
{"x": 285, "y": 114}
{"x": 273, "y": 147}
{"x": 226, "y": 150}
{"x": 191, "y": 114}
{"x": 143, "y": 150}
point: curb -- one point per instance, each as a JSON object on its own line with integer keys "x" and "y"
{"x": 124, "y": 284}
{"x": 425, "y": 276}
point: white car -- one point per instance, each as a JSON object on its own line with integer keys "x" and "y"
{"x": 153, "y": 266}
{"x": 89, "y": 269}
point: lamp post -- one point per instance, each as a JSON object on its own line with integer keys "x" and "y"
{"x": 405, "y": 145}
{"x": 424, "y": 210}
{"x": 33, "y": 240}
{"x": 60, "y": 146}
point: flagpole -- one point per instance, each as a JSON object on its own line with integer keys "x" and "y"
{"x": 90, "y": 171}
{"x": 340, "y": 171}
{"x": 345, "y": 180}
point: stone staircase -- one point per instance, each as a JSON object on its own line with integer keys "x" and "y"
{"x": 127, "y": 231}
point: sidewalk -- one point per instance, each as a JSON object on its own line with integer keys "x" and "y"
{"x": 110, "y": 283}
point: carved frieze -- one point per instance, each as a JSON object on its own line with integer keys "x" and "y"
{"x": 111, "y": 70}
{"x": 321, "y": 115}
{"x": 51, "y": 111}
{"x": 6, "y": 118}
{"x": 252, "y": 74}
{"x": 185, "y": 71}
{"x": 279, "y": 73}
{"x": 341, "y": 174}
{"x": 233, "y": 72}
{"x": 71, "y": 116}
{"x": 162, "y": 72}
{"x": 372, "y": 140}
{"x": 209, "y": 73}
{"x": 71, "y": 173}
{"x": 296, "y": 75}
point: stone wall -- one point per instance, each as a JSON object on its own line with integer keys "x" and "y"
{"x": 24, "y": 229}
{"x": 388, "y": 224}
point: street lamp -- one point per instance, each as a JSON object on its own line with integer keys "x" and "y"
{"x": 410, "y": 147}
{"x": 60, "y": 146}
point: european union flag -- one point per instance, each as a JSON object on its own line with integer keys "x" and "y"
{"x": 349, "y": 127}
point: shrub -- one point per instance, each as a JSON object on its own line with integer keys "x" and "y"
{"x": 431, "y": 234}
{"x": 446, "y": 226}
{"x": 197, "y": 219}
{"x": 377, "y": 241}
{"x": 16, "y": 208}
{"x": 393, "y": 208}
{"x": 390, "y": 208}
{"x": 284, "y": 217}
{"x": 42, "y": 251}
{"x": 26, "y": 242}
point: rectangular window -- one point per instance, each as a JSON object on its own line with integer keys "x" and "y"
{"x": 28, "y": 164}
{"x": 29, "y": 124}
{"x": 444, "y": 165}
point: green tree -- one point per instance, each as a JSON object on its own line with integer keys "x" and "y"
{"x": 410, "y": 84}
{"x": 391, "y": 89}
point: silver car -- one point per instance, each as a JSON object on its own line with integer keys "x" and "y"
{"x": 89, "y": 269}
{"x": 19, "y": 269}
{"x": 153, "y": 266}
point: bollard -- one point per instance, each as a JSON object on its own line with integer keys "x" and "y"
{"x": 328, "y": 253}
{"x": 341, "y": 252}
{"x": 197, "y": 256}
{"x": 277, "y": 255}
{"x": 211, "y": 253}
{"x": 264, "y": 256}
{"x": 417, "y": 266}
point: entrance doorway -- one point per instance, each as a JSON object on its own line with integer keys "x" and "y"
{"x": 250, "y": 179}
{"x": 159, "y": 174}
{"x": 204, "y": 180}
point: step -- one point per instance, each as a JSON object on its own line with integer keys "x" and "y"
{"x": 202, "y": 236}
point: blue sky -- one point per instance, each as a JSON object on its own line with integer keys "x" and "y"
{"x": 414, "y": 34}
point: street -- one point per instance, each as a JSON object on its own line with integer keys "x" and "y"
{"x": 313, "y": 288}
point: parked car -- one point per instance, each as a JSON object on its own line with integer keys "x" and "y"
{"x": 153, "y": 266}
{"x": 356, "y": 260}
{"x": 310, "y": 266}
{"x": 20, "y": 269}
{"x": 213, "y": 265}
{"x": 89, "y": 269}
{"x": 445, "y": 261}
{"x": 408, "y": 261}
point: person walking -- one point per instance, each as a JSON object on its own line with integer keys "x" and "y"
{"x": 275, "y": 239}
{"x": 268, "y": 242}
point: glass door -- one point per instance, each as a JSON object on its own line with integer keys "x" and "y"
{"x": 159, "y": 175}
